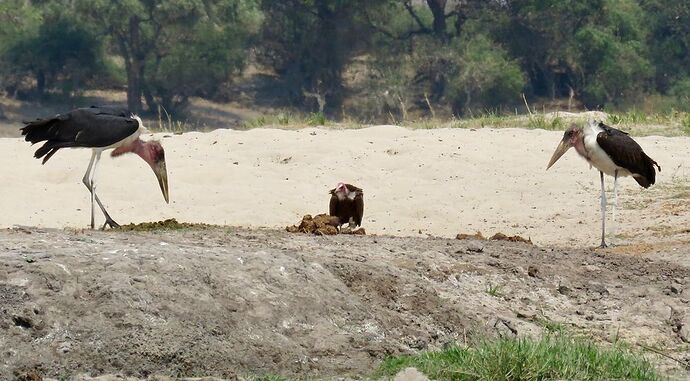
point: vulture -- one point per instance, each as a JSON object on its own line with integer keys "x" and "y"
{"x": 347, "y": 203}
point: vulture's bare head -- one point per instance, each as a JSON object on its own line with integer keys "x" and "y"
{"x": 341, "y": 191}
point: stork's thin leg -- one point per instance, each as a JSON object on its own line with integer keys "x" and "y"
{"x": 89, "y": 181}
{"x": 603, "y": 211}
{"x": 615, "y": 202}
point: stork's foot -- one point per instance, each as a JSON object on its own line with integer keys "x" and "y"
{"x": 603, "y": 245}
{"x": 111, "y": 223}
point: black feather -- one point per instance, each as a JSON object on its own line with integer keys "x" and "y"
{"x": 91, "y": 127}
{"x": 626, "y": 153}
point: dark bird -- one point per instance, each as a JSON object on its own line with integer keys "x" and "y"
{"x": 99, "y": 128}
{"x": 612, "y": 152}
{"x": 347, "y": 203}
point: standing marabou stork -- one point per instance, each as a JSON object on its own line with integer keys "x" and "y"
{"x": 99, "y": 128}
{"x": 612, "y": 152}
{"x": 347, "y": 203}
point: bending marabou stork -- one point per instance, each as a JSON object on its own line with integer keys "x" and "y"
{"x": 347, "y": 203}
{"x": 612, "y": 152}
{"x": 98, "y": 128}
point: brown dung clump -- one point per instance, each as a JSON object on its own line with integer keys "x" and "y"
{"x": 495, "y": 237}
{"x": 513, "y": 238}
{"x": 169, "y": 224}
{"x": 477, "y": 235}
{"x": 321, "y": 224}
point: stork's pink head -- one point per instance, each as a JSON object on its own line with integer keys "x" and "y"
{"x": 156, "y": 159}
{"x": 153, "y": 153}
{"x": 572, "y": 137}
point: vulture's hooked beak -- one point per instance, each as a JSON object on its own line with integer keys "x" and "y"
{"x": 563, "y": 146}
{"x": 162, "y": 174}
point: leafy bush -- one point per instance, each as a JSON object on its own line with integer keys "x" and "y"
{"x": 485, "y": 77}
{"x": 61, "y": 54}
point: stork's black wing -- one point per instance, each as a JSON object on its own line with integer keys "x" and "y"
{"x": 109, "y": 110}
{"x": 626, "y": 153}
{"x": 91, "y": 127}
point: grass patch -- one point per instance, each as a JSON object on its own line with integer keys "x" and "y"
{"x": 169, "y": 224}
{"x": 554, "y": 357}
{"x": 494, "y": 290}
{"x": 291, "y": 120}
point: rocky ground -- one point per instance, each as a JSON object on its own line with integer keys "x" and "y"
{"x": 230, "y": 302}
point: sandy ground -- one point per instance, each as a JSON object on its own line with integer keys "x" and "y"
{"x": 416, "y": 182}
{"x": 245, "y": 301}
{"x": 230, "y": 302}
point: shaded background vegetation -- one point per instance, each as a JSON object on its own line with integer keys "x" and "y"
{"x": 364, "y": 59}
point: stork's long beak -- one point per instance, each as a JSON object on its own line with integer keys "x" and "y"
{"x": 563, "y": 146}
{"x": 162, "y": 174}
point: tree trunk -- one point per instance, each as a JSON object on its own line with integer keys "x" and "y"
{"x": 133, "y": 87}
{"x": 334, "y": 47}
{"x": 135, "y": 66}
{"x": 438, "y": 10}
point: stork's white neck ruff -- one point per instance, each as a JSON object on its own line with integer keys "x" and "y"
{"x": 595, "y": 155}
{"x": 131, "y": 138}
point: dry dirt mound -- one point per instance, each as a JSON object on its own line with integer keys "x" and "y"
{"x": 225, "y": 302}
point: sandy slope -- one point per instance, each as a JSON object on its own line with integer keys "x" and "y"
{"x": 437, "y": 182}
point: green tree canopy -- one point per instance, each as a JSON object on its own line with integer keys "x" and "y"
{"x": 157, "y": 37}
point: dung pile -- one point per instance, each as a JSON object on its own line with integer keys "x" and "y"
{"x": 321, "y": 224}
{"x": 496, "y": 237}
{"x": 169, "y": 224}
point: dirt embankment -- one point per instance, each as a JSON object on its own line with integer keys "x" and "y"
{"x": 233, "y": 301}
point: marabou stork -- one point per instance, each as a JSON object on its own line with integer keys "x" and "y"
{"x": 99, "y": 128}
{"x": 347, "y": 203}
{"x": 612, "y": 152}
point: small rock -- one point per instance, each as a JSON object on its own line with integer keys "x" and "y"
{"x": 474, "y": 247}
{"x": 532, "y": 271}
{"x": 563, "y": 290}
{"x": 505, "y": 328}
{"x": 410, "y": 374}
{"x": 673, "y": 290}
{"x": 529, "y": 315}
{"x": 64, "y": 347}
{"x": 684, "y": 331}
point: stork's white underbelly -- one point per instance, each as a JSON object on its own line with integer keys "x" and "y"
{"x": 598, "y": 158}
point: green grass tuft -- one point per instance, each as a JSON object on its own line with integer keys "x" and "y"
{"x": 554, "y": 357}
{"x": 494, "y": 290}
